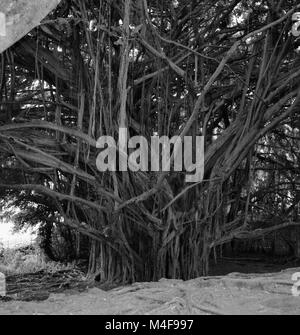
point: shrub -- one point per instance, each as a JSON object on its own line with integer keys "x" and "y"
{"x": 29, "y": 260}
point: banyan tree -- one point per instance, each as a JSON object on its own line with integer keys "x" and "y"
{"x": 226, "y": 70}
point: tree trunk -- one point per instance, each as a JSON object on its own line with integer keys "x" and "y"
{"x": 18, "y": 18}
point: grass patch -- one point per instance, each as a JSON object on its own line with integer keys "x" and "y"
{"x": 28, "y": 260}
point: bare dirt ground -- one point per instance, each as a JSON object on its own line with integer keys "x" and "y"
{"x": 235, "y": 293}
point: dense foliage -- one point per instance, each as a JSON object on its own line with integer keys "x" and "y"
{"x": 228, "y": 70}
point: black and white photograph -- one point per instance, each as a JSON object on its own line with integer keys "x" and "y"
{"x": 149, "y": 160}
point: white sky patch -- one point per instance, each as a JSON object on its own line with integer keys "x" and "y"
{"x": 175, "y": 3}
{"x": 8, "y": 239}
{"x": 133, "y": 54}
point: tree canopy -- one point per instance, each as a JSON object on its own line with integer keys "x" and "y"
{"x": 226, "y": 70}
